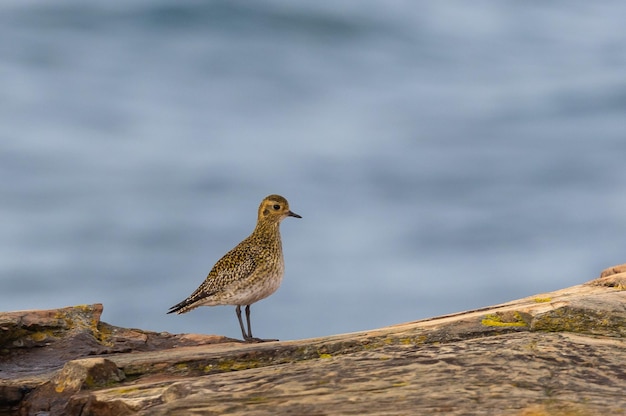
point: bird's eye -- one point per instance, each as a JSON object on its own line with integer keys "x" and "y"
{"x": 276, "y": 207}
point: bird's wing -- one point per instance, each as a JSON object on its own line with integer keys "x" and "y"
{"x": 236, "y": 265}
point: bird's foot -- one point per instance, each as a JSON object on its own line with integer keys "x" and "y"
{"x": 256, "y": 340}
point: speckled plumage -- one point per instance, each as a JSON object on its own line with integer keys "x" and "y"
{"x": 251, "y": 271}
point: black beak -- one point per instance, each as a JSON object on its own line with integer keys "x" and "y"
{"x": 293, "y": 214}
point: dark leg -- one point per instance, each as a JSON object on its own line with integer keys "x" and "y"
{"x": 248, "y": 337}
{"x": 243, "y": 332}
{"x": 248, "y": 319}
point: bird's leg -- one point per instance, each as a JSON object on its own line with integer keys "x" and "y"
{"x": 243, "y": 332}
{"x": 248, "y": 319}
{"x": 249, "y": 337}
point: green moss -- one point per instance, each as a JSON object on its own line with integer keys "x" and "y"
{"x": 504, "y": 319}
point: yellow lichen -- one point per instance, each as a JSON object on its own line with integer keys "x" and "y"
{"x": 542, "y": 300}
{"x": 89, "y": 381}
{"x": 325, "y": 356}
{"x": 232, "y": 365}
{"x": 555, "y": 409}
{"x": 38, "y": 336}
{"x": 256, "y": 399}
{"x": 499, "y": 319}
{"x": 580, "y": 321}
{"x": 127, "y": 390}
{"x": 102, "y": 333}
{"x": 422, "y": 339}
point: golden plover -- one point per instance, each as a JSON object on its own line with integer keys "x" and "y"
{"x": 251, "y": 271}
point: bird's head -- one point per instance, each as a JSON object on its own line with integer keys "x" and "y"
{"x": 275, "y": 208}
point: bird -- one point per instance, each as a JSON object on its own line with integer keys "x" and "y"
{"x": 251, "y": 271}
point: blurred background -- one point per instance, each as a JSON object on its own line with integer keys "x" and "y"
{"x": 443, "y": 155}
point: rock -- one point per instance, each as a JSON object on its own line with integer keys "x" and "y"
{"x": 34, "y": 345}
{"x": 87, "y": 373}
{"x": 612, "y": 277}
{"x": 558, "y": 353}
{"x": 613, "y": 270}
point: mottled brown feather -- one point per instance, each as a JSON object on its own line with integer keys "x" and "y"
{"x": 252, "y": 270}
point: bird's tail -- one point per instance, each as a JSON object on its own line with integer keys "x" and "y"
{"x": 191, "y": 302}
{"x": 181, "y": 307}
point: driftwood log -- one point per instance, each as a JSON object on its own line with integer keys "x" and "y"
{"x": 558, "y": 353}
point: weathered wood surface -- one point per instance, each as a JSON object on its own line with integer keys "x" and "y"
{"x": 558, "y": 353}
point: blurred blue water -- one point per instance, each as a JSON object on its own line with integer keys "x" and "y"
{"x": 443, "y": 155}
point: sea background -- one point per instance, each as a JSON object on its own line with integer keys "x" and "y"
{"x": 443, "y": 155}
